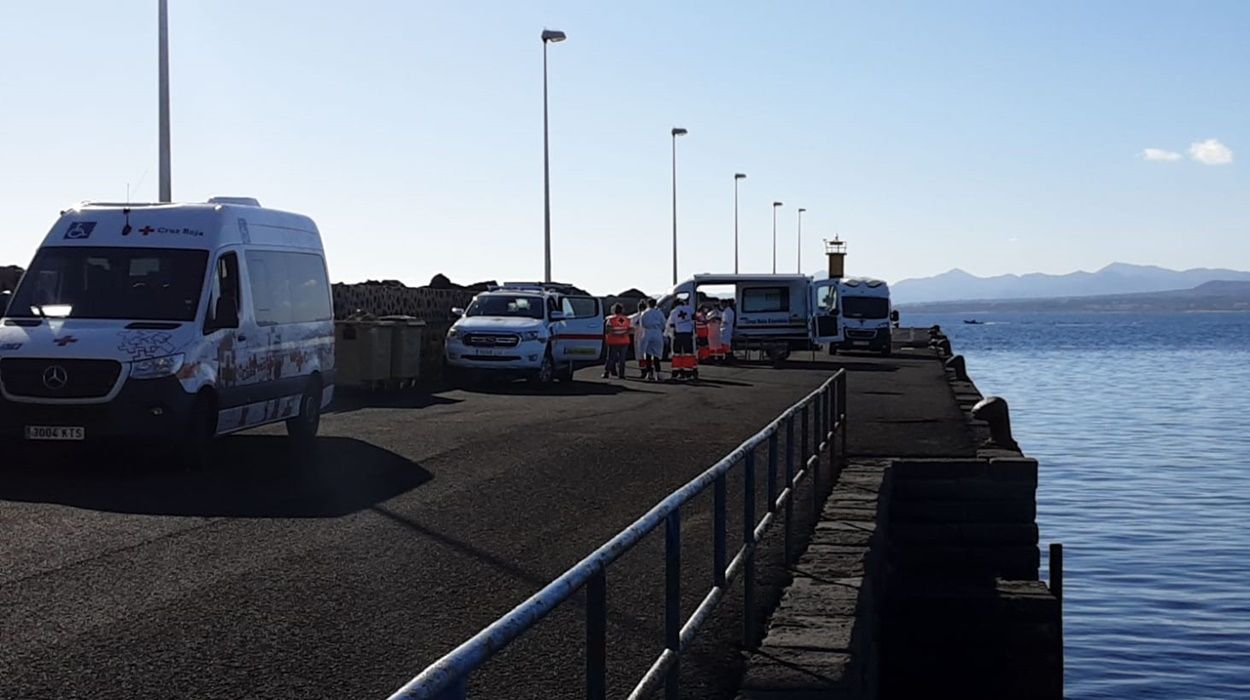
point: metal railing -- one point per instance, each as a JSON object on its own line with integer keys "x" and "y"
{"x": 821, "y": 417}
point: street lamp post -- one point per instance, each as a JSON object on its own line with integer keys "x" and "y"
{"x": 737, "y": 177}
{"x": 800, "y": 260}
{"x": 677, "y": 131}
{"x": 553, "y": 36}
{"x": 162, "y": 12}
{"x": 775, "y": 205}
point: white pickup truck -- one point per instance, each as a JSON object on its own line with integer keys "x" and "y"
{"x": 539, "y": 331}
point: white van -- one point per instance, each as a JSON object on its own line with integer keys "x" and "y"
{"x": 171, "y": 321}
{"x": 777, "y": 314}
{"x": 541, "y": 331}
{"x": 865, "y": 314}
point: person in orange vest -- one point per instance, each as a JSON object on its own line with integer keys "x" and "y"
{"x": 616, "y": 335}
{"x": 713, "y": 332}
{"x": 700, "y": 334}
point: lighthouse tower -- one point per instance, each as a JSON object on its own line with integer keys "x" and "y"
{"x": 836, "y": 251}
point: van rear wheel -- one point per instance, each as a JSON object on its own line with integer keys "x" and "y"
{"x": 303, "y": 428}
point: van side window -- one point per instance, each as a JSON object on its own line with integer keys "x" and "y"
{"x": 225, "y": 286}
{"x": 288, "y": 287}
{"x": 765, "y": 299}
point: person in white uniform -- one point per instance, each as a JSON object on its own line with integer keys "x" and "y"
{"x": 639, "y": 334}
{"x": 652, "y": 327}
{"x": 727, "y": 317}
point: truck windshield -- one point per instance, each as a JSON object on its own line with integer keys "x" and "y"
{"x": 506, "y": 305}
{"x": 142, "y": 284}
{"x": 865, "y": 307}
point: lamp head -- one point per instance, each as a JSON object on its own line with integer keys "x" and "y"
{"x": 801, "y": 210}
{"x": 740, "y": 176}
{"x": 776, "y": 204}
{"x": 553, "y": 35}
{"x": 678, "y": 131}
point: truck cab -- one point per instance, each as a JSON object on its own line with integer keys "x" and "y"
{"x": 865, "y": 314}
{"x": 540, "y": 331}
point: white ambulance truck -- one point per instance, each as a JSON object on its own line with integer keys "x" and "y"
{"x": 175, "y": 322}
{"x": 865, "y": 314}
{"x": 540, "y": 331}
{"x": 777, "y": 314}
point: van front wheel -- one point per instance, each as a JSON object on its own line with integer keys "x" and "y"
{"x": 303, "y": 428}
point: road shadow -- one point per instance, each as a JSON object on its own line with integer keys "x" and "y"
{"x": 257, "y": 476}
{"x": 356, "y": 399}
{"x": 574, "y": 388}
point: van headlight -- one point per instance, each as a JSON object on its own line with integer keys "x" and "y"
{"x": 452, "y": 332}
{"x": 532, "y": 335}
{"x": 156, "y": 367}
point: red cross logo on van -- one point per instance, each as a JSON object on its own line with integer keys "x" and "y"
{"x": 146, "y": 230}
{"x": 62, "y": 342}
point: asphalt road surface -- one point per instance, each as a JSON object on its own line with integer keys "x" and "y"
{"x": 420, "y": 520}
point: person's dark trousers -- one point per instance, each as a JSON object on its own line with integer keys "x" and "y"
{"x": 616, "y": 360}
{"x": 683, "y": 344}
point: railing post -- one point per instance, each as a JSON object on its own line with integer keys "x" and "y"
{"x": 804, "y": 423}
{"x": 597, "y": 635}
{"x": 748, "y": 540}
{"x": 819, "y": 438}
{"x": 789, "y": 484}
{"x": 672, "y": 601}
{"x": 772, "y": 471}
{"x": 458, "y": 690}
{"x": 842, "y": 411}
{"x": 719, "y": 527}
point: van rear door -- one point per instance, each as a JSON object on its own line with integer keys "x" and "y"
{"x": 824, "y": 318}
{"x": 578, "y": 337}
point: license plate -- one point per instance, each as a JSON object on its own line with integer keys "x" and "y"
{"x": 860, "y": 343}
{"x": 55, "y": 432}
{"x": 484, "y": 352}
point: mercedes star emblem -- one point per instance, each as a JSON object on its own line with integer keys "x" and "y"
{"x": 55, "y": 377}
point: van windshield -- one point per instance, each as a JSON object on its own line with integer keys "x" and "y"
{"x": 865, "y": 307}
{"x": 506, "y": 305}
{"x": 142, "y": 284}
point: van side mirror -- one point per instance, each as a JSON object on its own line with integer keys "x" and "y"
{"x": 225, "y": 314}
{"x": 5, "y": 297}
{"x": 556, "y": 315}
{"x": 457, "y": 311}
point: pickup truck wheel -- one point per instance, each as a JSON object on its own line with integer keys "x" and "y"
{"x": 546, "y": 371}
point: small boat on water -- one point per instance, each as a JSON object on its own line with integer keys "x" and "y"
{"x": 973, "y": 322}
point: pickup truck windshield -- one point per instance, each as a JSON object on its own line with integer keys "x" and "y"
{"x": 139, "y": 284}
{"x": 506, "y": 305}
{"x": 865, "y": 307}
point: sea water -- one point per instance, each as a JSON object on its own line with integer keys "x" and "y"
{"x": 1141, "y": 424}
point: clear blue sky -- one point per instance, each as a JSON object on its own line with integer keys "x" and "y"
{"x": 990, "y": 136}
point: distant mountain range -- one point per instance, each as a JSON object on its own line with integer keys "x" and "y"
{"x": 1116, "y": 278}
{"x": 1217, "y": 295}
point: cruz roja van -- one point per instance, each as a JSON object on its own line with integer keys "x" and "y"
{"x": 174, "y": 322}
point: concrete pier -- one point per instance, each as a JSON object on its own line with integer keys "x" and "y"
{"x": 921, "y": 577}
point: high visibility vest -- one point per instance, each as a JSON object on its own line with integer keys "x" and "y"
{"x": 619, "y": 327}
{"x": 700, "y": 324}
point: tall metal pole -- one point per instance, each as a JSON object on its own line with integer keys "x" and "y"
{"x": 674, "y": 207}
{"x": 546, "y": 179}
{"x": 166, "y": 194}
{"x": 737, "y": 177}
{"x": 677, "y": 131}
{"x": 800, "y": 255}
{"x": 556, "y": 36}
{"x": 775, "y": 205}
